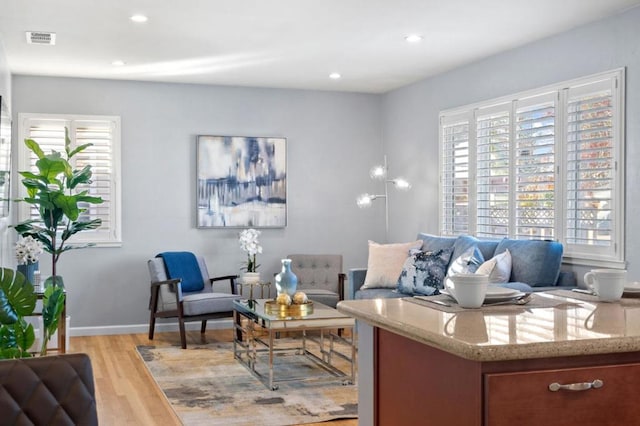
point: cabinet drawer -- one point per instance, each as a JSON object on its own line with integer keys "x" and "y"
{"x": 524, "y": 398}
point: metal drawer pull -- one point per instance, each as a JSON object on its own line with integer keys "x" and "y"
{"x": 597, "y": 383}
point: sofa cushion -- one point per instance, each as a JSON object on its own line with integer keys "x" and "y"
{"x": 498, "y": 268}
{"x": 467, "y": 262}
{"x": 435, "y": 243}
{"x": 385, "y": 263}
{"x": 423, "y": 272}
{"x": 463, "y": 242}
{"x": 534, "y": 262}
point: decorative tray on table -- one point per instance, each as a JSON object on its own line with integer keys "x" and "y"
{"x": 271, "y": 307}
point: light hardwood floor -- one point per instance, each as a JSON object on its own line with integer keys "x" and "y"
{"x": 125, "y": 391}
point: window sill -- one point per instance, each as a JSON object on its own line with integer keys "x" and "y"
{"x": 599, "y": 263}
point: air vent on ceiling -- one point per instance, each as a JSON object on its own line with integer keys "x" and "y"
{"x": 41, "y": 37}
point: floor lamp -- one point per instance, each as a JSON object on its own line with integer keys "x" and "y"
{"x": 379, "y": 172}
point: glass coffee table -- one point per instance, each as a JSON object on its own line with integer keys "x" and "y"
{"x": 258, "y": 346}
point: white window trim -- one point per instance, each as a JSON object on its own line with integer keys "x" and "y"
{"x": 115, "y": 239}
{"x": 618, "y": 259}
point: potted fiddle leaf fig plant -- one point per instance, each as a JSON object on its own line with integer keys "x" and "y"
{"x": 56, "y": 191}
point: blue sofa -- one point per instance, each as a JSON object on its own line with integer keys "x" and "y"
{"x": 535, "y": 264}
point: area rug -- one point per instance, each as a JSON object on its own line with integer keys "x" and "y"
{"x": 207, "y": 386}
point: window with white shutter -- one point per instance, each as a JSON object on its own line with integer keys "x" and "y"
{"x": 544, "y": 164}
{"x": 493, "y": 139}
{"x": 591, "y": 168}
{"x": 454, "y": 135}
{"x": 535, "y": 167}
{"x": 103, "y": 156}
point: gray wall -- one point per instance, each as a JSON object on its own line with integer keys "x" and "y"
{"x": 411, "y": 113}
{"x": 332, "y": 140}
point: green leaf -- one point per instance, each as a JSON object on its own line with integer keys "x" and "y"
{"x": 51, "y": 217}
{"x": 67, "y": 141}
{"x": 80, "y": 177}
{"x": 68, "y": 204}
{"x": 79, "y": 149}
{"x": 52, "y": 306}
{"x": 17, "y": 298}
{"x": 33, "y": 146}
{"x": 51, "y": 166}
{"x": 24, "y": 337}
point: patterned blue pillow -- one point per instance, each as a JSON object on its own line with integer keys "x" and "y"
{"x": 423, "y": 272}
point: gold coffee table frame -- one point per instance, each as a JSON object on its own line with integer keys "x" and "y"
{"x": 255, "y": 335}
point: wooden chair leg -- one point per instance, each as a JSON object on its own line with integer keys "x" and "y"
{"x": 183, "y": 336}
{"x": 152, "y": 325}
{"x": 203, "y": 327}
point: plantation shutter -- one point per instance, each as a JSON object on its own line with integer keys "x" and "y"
{"x": 49, "y": 134}
{"x": 591, "y": 166}
{"x": 535, "y": 162}
{"x": 493, "y": 169}
{"x": 454, "y": 217}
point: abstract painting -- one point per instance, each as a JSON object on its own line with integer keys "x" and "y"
{"x": 241, "y": 182}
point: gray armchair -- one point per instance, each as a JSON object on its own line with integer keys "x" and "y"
{"x": 319, "y": 276}
{"x": 168, "y": 299}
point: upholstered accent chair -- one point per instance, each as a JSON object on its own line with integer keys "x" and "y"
{"x": 48, "y": 391}
{"x": 319, "y": 276}
{"x": 168, "y": 300}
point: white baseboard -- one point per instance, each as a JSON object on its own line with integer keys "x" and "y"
{"x": 144, "y": 328}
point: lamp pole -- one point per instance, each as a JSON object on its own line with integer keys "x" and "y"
{"x": 386, "y": 203}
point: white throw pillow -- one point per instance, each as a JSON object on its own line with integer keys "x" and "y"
{"x": 498, "y": 268}
{"x": 385, "y": 263}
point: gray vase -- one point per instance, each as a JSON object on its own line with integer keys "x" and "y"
{"x": 286, "y": 280}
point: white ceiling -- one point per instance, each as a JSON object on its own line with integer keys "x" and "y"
{"x": 280, "y": 43}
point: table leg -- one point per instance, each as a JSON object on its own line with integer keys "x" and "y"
{"x": 62, "y": 329}
{"x": 271, "y": 385}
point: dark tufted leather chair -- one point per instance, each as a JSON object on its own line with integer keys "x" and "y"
{"x": 48, "y": 391}
{"x": 319, "y": 276}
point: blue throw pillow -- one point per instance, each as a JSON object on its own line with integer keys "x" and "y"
{"x": 423, "y": 272}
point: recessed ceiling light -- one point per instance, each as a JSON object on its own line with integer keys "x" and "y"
{"x": 335, "y": 75}
{"x": 117, "y": 63}
{"x": 139, "y": 18}
{"x": 413, "y": 38}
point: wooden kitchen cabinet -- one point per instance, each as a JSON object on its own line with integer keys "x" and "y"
{"x": 524, "y": 398}
{"x": 417, "y": 384}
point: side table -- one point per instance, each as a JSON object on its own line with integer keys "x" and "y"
{"x": 241, "y": 285}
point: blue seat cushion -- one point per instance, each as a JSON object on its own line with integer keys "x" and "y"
{"x": 525, "y": 288}
{"x": 534, "y": 262}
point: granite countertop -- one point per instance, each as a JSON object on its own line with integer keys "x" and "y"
{"x": 582, "y": 326}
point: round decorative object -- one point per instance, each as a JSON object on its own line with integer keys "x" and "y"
{"x": 286, "y": 280}
{"x": 251, "y": 278}
{"x": 299, "y": 298}
{"x": 283, "y": 299}
{"x": 271, "y": 307}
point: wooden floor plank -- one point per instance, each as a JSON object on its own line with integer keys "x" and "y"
{"x": 126, "y": 393}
